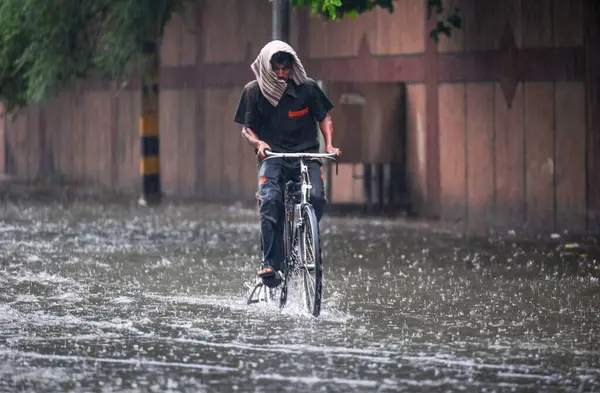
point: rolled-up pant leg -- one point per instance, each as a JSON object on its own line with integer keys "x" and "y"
{"x": 270, "y": 197}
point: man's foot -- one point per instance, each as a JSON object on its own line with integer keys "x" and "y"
{"x": 270, "y": 277}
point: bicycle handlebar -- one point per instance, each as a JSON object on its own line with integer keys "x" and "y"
{"x": 269, "y": 153}
{"x": 331, "y": 156}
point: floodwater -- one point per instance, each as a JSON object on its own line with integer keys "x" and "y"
{"x": 119, "y": 298}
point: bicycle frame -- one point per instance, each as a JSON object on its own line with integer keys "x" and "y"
{"x": 305, "y": 185}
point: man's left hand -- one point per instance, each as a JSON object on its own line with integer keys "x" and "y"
{"x": 334, "y": 150}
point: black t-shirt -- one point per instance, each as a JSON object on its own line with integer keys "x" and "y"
{"x": 291, "y": 125}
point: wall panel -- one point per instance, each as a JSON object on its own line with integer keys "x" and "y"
{"x": 539, "y": 155}
{"x": 509, "y": 153}
{"x": 452, "y": 112}
{"x": 480, "y": 152}
{"x": 570, "y": 156}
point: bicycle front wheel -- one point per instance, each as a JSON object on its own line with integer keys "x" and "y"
{"x": 311, "y": 264}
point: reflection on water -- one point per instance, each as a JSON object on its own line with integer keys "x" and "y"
{"x": 120, "y": 298}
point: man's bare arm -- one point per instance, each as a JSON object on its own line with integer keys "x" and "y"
{"x": 254, "y": 141}
{"x": 250, "y": 137}
{"x": 326, "y": 126}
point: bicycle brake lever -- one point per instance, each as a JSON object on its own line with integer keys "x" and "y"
{"x": 337, "y": 163}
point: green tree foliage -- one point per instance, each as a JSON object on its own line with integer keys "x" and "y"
{"x": 446, "y": 19}
{"x": 47, "y": 45}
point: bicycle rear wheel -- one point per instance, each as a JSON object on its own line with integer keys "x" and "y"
{"x": 311, "y": 264}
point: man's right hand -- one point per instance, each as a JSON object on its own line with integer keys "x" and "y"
{"x": 262, "y": 146}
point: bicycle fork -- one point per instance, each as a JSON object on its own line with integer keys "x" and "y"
{"x": 304, "y": 199}
{"x": 306, "y": 186}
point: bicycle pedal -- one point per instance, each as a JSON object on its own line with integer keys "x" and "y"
{"x": 282, "y": 276}
{"x": 255, "y": 295}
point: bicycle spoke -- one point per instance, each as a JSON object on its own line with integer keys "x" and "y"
{"x": 309, "y": 262}
{"x": 309, "y": 281}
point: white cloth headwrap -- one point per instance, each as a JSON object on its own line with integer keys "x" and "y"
{"x": 270, "y": 85}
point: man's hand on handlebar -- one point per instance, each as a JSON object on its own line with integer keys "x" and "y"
{"x": 334, "y": 150}
{"x": 262, "y": 146}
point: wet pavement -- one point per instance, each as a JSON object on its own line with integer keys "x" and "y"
{"x": 122, "y": 298}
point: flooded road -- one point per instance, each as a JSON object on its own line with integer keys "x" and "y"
{"x": 127, "y": 299}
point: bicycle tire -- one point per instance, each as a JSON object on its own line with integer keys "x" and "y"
{"x": 311, "y": 272}
{"x": 287, "y": 254}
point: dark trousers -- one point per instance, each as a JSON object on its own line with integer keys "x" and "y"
{"x": 273, "y": 174}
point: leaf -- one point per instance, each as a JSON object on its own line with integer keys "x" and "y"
{"x": 435, "y": 4}
{"x": 454, "y": 20}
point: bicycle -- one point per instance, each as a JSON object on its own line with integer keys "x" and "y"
{"x": 301, "y": 239}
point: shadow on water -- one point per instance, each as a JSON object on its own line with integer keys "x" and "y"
{"x": 119, "y": 298}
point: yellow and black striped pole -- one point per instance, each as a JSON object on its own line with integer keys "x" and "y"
{"x": 150, "y": 157}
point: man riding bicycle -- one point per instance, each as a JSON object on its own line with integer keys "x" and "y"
{"x": 278, "y": 112}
